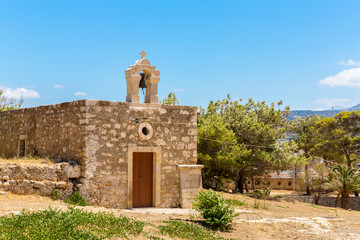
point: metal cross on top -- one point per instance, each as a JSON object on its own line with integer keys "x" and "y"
{"x": 143, "y": 54}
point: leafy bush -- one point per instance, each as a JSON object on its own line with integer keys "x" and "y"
{"x": 184, "y": 230}
{"x": 214, "y": 209}
{"x": 260, "y": 193}
{"x": 76, "y": 199}
{"x": 71, "y": 224}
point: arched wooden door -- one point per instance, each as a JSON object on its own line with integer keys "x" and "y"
{"x": 142, "y": 179}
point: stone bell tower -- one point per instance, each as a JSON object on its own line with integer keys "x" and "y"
{"x": 133, "y": 77}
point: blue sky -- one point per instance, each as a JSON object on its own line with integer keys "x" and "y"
{"x": 306, "y": 53}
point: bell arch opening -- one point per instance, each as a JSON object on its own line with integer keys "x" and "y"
{"x": 143, "y": 85}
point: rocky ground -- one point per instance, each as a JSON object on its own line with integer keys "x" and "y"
{"x": 257, "y": 219}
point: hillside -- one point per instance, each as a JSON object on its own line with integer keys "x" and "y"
{"x": 325, "y": 113}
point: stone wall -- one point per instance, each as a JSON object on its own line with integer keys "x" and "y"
{"x": 113, "y": 127}
{"x": 53, "y": 131}
{"x": 98, "y": 135}
{"x": 38, "y": 179}
{"x": 329, "y": 201}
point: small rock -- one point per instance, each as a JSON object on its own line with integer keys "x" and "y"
{"x": 5, "y": 178}
{"x": 4, "y": 194}
{"x": 61, "y": 185}
{"x": 38, "y": 184}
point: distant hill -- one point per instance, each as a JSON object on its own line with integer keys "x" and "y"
{"x": 325, "y": 113}
{"x": 354, "y": 108}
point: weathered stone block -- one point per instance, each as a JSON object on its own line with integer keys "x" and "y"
{"x": 38, "y": 184}
{"x": 61, "y": 185}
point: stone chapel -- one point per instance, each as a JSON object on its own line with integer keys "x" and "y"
{"x": 131, "y": 154}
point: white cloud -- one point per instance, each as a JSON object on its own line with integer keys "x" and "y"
{"x": 346, "y": 78}
{"x": 178, "y": 90}
{"x": 82, "y": 94}
{"x": 58, "y": 86}
{"x": 332, "y": 102}
{"x": 350, "y": 62}
{"x": 19, "y": 93}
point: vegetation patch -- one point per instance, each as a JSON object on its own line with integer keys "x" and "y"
{"x": 70, "y": 224}
{"x": 260, "y": 193}
{"x": 314, "y": 206}
{"x": 54, "y": 194}
{"x": 235, "y": 202}
{"x": 76, "y": 199}
{"x": 186, "y": 230}
{"x": 214, "y": 209}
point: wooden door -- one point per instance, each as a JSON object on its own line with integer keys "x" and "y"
{"x": 142, "y": 179}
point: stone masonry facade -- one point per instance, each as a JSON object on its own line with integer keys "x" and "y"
{"x": 101, "y": 135}
{"x": 45, "y": 180}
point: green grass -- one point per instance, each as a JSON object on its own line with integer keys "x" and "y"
{"x": 235, "y": 202}
{"x": 70, "y": 224}
{"x": 314, "y": 206}
{"x": 76, "y": 199}
{"x": 185, "y": 230}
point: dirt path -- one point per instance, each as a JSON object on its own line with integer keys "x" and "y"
{"x": 257, "y": 220}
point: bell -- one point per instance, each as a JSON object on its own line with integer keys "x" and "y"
{"x": 142, "y": 84}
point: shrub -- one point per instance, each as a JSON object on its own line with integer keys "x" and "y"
{"x": 76, "y": 199}
{"x": 260, "y": 193}
{"x": 54, "y": 194}
{"x": 214, "y": 209}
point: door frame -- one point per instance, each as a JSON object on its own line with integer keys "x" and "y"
{"x": 156, "y": 173}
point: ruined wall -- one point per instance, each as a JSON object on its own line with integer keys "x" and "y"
{"x": 114, "y": 126}
{"x": 38, "y": 179}
{"x": 53, "y": 131}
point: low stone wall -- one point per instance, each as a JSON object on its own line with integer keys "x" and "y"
{"x": 329, "y": 201}
{"x": 39, "y": 179}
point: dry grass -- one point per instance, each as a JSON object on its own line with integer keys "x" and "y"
{"x": 277, "y": 220}
{"x": 271, "y": 220}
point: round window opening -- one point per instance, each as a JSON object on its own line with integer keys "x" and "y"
{"x": 145, "y": 131}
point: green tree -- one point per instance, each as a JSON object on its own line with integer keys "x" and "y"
{"x": 170, "y": 100}
{"x": 252, "y": 130}
{"x": 339, "y": 137}
{"x": 344, "y": 180}
{"x": 306, "y": 138}
{"x": 287, "y": 154}
{"x": 8, "y": 104}
{"x": 217, "y": 148}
